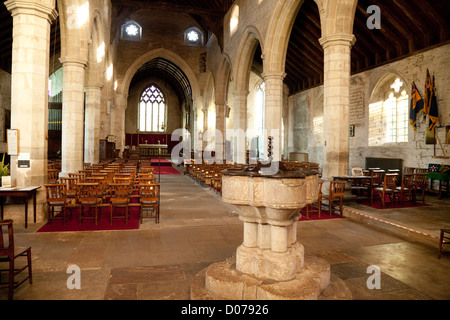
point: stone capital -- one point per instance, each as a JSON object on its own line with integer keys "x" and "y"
{"x": 73, "y": 61}
{"x": 280, "y": 75}
{"x": 94, "y": 86}
{"x": 40, "y": 9}
{"x": 337, "y": 39}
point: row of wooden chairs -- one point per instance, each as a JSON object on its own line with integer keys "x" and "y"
{"x": 209, "y": 175}
{"x": 411, "y": 186}
{"x": 112, "y": 185}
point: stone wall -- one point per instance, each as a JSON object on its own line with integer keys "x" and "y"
{"x": 5, "y": 105}
{"x": 306, "y": 108}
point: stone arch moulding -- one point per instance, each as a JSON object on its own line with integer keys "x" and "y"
{"x": 222, "y": 80}
{"x": 278, "y": 34}
{"x": 244, "y": 57}
{"x": 74, "y": 39}
{"x": 95, "y": 69}
{"x": 162, "y": 53}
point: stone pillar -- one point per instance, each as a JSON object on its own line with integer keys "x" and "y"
{"x": 273, "y": 110}
{"x": 337, "y": 68}
{"x": 118, "y": 123}
{"x": 220, "y": 132}
{"x": 239, "y": 125}
{"x": 29, "y": 86}
{"x": 72, "y": 140}
{"x": 92, "y": 124}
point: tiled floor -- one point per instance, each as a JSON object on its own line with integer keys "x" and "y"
{"x": 159, "y": 261}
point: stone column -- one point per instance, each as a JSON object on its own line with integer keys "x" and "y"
{"x": 239, "y": 125}
{"x": 220, "y": 131}
{"x": 337, "y": 67}
{"x": 72, "y": 140}
{"x": 273, "y": 110}
{"x": 29, "y": 86}
{"x": 92, "y": 124}
{"x": 118, "y": 122}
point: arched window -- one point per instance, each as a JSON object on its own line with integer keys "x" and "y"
{"x": 388, "y": 114}
{"x": 193, "y": 37}
{"x": 131, "y": 31}
{"x": 152, "y": 110}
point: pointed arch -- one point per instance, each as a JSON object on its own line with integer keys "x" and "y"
{"x": 244, "y": 57}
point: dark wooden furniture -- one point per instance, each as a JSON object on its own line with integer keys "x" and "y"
{"x": 107, "y": 150}
{"x": 316, "y": 206}
{"x": 421, "y": 186}
{"x": 149, "y": 198}
{"x": 389, "y": 188}
{"x": 89, "y": 197}
{"x": 444, "y": 181}
{"x": 119, "y": 198}
{"x": 56, "y": 202}
{"x": 361, "y": 185}
{"x": 335, "y": 197}
{"x": 9, "y": 253}
{"x": 24, "y": 193}
{"x": 443, "y": 240}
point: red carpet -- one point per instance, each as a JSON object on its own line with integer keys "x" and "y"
{"x": 103, "y": 222}
{"x": 166, "y": 170}
{"x": 324, "y": 215}
{"x": 163, "y": 162}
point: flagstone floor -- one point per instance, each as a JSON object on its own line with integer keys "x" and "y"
{"x": 159, "y": 261}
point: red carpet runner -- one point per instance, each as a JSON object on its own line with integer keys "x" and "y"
{"x": 103, "y": 222}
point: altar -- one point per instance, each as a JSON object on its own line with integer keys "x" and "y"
{"x": 152, "y": 150}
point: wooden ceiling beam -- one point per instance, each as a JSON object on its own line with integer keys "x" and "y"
{"x": 167, "y": 6}
{"x": 398, "y": 23}
{"x": 388, "y": 31}
{"x": 426, "y": 8}
{"x": 416, "y": 21}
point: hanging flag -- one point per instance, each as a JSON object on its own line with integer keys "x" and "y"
{"x": 427, "y": 95}
{"x": 433, "y": 114}
{"x": 416, "y": 105}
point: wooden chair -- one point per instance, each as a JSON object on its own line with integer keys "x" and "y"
{"x": 53, "y": 175}
{"x": 443, "y": 240}
{"x": 389, "y": 188}
{"x": 9, "y": 253}
{"x": 89, "y": 197}
{"x": 71, "y": 187}
{"x": 421, "y": 186}
{"x": 316, "y": 206}
{"x": 407, "y": 187}
{"x": 119, "y": 198}
{"x": 56, "y": 201}
{"x": 407, "y": 170}
{"x": 149, "y": 196}
{"x": 335, "y": 197}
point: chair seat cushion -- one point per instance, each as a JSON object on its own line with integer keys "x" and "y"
{"x": 119, "y": 200}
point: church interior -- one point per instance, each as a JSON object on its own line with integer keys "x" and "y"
{"x": 174, "y": 110}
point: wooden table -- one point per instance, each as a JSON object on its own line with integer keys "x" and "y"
{"x": 356, "y": 181}
{"x": 20, "y": 192}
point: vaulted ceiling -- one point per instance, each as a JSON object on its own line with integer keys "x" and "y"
{"x": 407, "y": 27}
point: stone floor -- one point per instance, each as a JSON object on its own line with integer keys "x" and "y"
{"x": 159, "y": 261}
